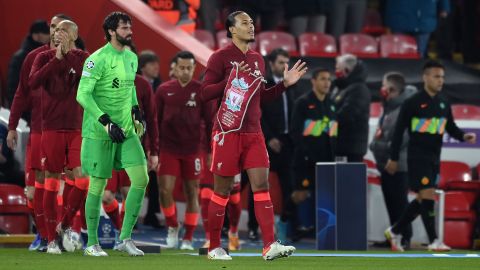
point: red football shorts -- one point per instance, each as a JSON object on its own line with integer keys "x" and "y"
{"x": 29, "y": 173}
{"x": 61, "y": 149}
{"x": 187, "y": 167}
{"x": 36, "y": 151}
{"x": 119, "y": 179}
{"x": 240, "y": 151}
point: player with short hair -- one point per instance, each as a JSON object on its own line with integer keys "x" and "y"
{"x": 426, "y": 115}
{"x": 28, "y": 99}
{"x": 58, "y": 72}
{"x": 112, "y": 125}
{"x": 234, "y": 74}
{"x": 181, "y": 118}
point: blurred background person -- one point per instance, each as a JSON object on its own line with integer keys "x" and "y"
{"x": 351, "y": 98}
{"x": 394, "y": 187}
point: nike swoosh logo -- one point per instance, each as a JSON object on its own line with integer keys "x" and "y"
{"x": 220, "y": 215}
{"x": 113, "y": 67}
{"x": 271, "y": 206}
{"x": 170, "y": 94}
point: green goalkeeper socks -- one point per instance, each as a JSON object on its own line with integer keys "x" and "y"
{"x": 92, "y": 208}
{"x": 139, "y": 178}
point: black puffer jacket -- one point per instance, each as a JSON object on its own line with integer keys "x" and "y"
{"x": 15, "y": 65}
{"x": 352, "y": 100}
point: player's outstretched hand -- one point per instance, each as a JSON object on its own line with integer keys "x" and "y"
{"x": 291, "y": 77}
{"x": 114, "y": 131}
{"x": 470, "y": 137}
{"x": 138, "y": 121}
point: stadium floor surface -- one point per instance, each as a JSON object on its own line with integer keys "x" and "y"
{"x": 11, "y": 258}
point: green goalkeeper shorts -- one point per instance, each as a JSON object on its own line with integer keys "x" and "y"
{"x": 99, "y": 157}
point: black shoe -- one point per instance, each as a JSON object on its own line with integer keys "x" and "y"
{"x": 43, "y": 245}
{"x": 405, "y": 244}
{"x": 253, "y": 235}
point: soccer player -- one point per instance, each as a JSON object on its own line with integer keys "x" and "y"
{"x": 58, "y": 72}
{"x": 26, "y": 99}
{"x": 314, "y": 130}
{"x": 426, "y": 115}
{"x": 235, "y": 74}
{"x": 112, "y": 125}
{"x": 120, "y": 181}
{"x": 181, "y": 117}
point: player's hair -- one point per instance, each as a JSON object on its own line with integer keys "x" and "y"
{"x": 317, "y": 72}
{"x": 145, "y": 57}
{"x": 396, "y": 79}
{"x": 183, "y": 55}
{"x": 112, "y": 20}
{"x": 272, "y": 57}
{"x": 432, "y": 64}
{"x": 230, "y": 21}
{"x": 62, "y": 16}
{"x": 349, "y": 60}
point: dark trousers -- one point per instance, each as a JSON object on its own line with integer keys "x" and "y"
{"x": 153, "y": 200}
{"x": 281, "y": 163}
{"x": 395, "y": 193}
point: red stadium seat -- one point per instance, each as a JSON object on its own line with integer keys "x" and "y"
{"x": 398, "y": 46}
{"x": 453, "y": 171}
{"x": 459, "y": 220}
{"x": 205, "y": 37}
{"x": 467, "y": 112}
{"x": 14, "y": 214}
{"x": 223, "y": 40}
{"x": 456, "y": 176}
{"x": 361, "y": 45}
{"x": 376, "y": 109}
{"x": 317, "y": 44}
{"x": 373, "y": 23}
{"x": 270, "y": 40}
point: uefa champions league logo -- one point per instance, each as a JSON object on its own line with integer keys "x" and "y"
{"x": 106, "y": 228}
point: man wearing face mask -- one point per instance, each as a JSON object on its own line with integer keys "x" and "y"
{"x": 351, "y": 97}
{"x": 394, "y": 187}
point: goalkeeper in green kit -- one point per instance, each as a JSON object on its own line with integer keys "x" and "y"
{"x": 112, "y": 125}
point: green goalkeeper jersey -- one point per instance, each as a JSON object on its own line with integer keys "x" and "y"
{"x": 107, "y": 86}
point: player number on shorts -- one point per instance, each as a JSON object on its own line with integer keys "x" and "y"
{"x": 198, "y": 165}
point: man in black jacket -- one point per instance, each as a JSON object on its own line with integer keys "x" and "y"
{"x": 39, "y": 35}
{"x": 352, "y": 100}
{"x": 275, "y": 125}
{"x": 426, "y": 116}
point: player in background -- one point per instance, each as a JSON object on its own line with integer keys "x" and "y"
{"x": 234, "y": 74}
{"x": 181, "y": 118}
{"x": 111, "y": 130}
{"x": 426, "y": 116}
{"x": 28, "y": 100}
{"x": 58, "y": 73}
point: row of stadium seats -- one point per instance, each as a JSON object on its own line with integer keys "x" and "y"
{"x": 460, "y": 111}
{"x": 323, "y": 45}
{"x": 461, "y": 194}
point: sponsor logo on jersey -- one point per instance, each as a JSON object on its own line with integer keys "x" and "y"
{"x": 115, "y": 83}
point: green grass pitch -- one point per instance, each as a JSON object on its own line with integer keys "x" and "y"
{"x": 17, "y": 259}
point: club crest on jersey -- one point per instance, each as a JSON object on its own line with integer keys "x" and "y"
{"x": 90, "y": 64}
{"x": 257, "y": 70}
{"x": 191, "y": 102}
